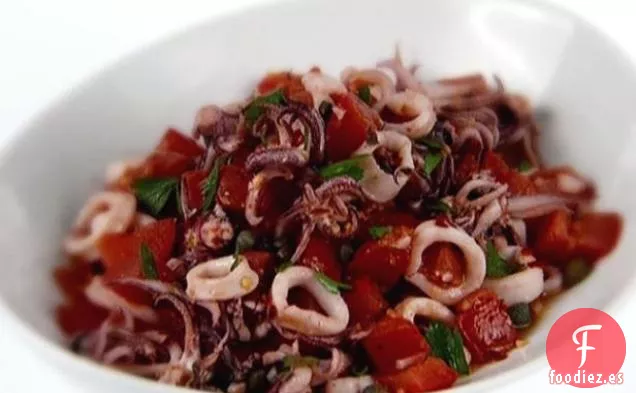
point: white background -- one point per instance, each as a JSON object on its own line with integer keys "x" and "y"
{"x": 47, "y": 46}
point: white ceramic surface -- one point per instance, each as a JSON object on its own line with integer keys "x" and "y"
{"x": 578, "y": 77}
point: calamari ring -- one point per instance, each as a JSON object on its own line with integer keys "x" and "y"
{"x": 428, "y": 233}
{"x": 349, "y": 384}
{"x": 521, "y": 287}
{"x": 308, "y": 322}
{"x": 321, "y": 86}
{"x": 411, "y": 307}
{"x": 106, "y": 212}
{"x": 377, "y": 184}
{"x": 381, "y": 82}
{"x": 215, "y": 279}
{"x": 97, "y": 292}
{"x": 410, "y": 102}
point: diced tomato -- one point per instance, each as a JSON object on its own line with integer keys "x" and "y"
{"x": 443, "y": 263}
{"x": 120, "y": 252}
{"x": 558, "y": 237}
{"x": 232, "y": 191}
{"x": 175, "y": 142}
{"x": 157, "y": 164}
{"x": 365, "y": 302}
{"x": 393, "y": 339}
{"x": 399, "y": 236}
{"x": 469, "y": 161}
{"x": 564, "y": 181}
{"x": 346, "y": 135}
{"x": 596, "y": 235}
{"x": 485, "y": 326}
{"x": 427, "y": 376}
{"x": 518, "y": 184}
{"x": 290, "y": 83}
{"x": 496, "y": 165}
{"x": 550, "y": 237}
{"x": 276, "y": 197}
{"x": 174, "y": 155}
{"x": 166, "y": 164}
{"x": 321, "y": 255}
{"x": 193, "y": 182}
{"x": 263, "y": 263}
{"x": 73, "y": 278}
{"x": 386, "y": 217}
{"x": 383, "y": 264}
{"x": 79, "y": 316}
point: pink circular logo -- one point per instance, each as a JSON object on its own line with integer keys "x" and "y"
{"x": 586, "y": 348}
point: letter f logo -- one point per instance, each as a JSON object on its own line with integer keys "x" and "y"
{"x": 583, "y": 344}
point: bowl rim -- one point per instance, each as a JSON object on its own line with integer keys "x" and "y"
{"x": 68, "y": 359}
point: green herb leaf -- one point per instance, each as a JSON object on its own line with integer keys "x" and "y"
{"x": 155, "y": 193}
{"x": 283, "y": 266}
{"x": 496, "y": 266}
{"x": 431, "y": 142}
{"x": 148, "y": 266}
{"x": 576, "y": 271}
{"x": 350, "y": 167}
{"x": 431, "y": 161}
{"x": 291, "y": 362}
{"x": 330, "y": 284}
{"x": 446, "y": 343}
{"x": 525, "y": 166}
{"x": 244, "y": 241}
{"x": 378, "y": 232}
{"x": 211, "y": 184}
{"x": 255, "y": 109}
{"x": 520, "y": 315}
{"x": 365, "y": 94}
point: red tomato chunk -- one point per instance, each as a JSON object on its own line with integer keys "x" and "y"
{"x": 346, "y": 135}
{"x": 558, "y": 237}
{"x": 430, "y": 375}
{"x": 518, "y": 184}
{"x": 393, "y": 339}
{"x": 175, "y": 142}
{"x": 365, "y": 302}
{"x": 383, "y": 264}
{"x": 232, "y": 191}
{"x": 320, "y": 255}
{"x": 443, "y": 263}
{"x": 486, "y": 326}
{"x": 121, "y": 252}
{"x": 290, "y": 84}
{"x": 193, "y": 182}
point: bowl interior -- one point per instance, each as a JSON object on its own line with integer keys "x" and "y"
{"x": 583, "y": 86}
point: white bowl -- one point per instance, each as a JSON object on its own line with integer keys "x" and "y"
{"x": 562, "y": 63}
